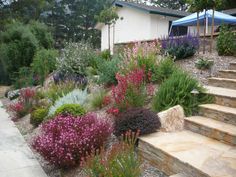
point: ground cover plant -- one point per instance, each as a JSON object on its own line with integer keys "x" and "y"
{"x": 180, "y": 47}
{"x": 177, "y": 90}
{"x": 203, "y": 64}
{"x": 70, "y": 109}
{"x": 38, "y": 116}
{"x": 65, "y": 140}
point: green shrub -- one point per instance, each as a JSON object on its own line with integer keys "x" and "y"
{"x": 177, "y": 91}
{"x": 97, "y": 99}
{"x": 20, "y": 45}
{"x": 41, "y": 32}
{"x": 23, "y": 78}
{"x": 44, "y": 63}
{"x": 226, "y": 42}
{"x": 38, "y": 116}
{"x": 203, "y": 64}
{"x": 4, "y": 79}
{"x": 72, "y": 109}
{"x": 105, "y": 54}
{"x": 164, "y": 70}
{"x": 107, "y": 70}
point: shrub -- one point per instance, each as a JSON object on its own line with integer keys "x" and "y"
{"x": 75, "y": 58}
{"x": 44, "y": 63}
{"x": 65, "y": 140}
{"x": 164, "y": 70}
{"x": 24, "y": 104}
{"x": 97, "y": 100}
{"x": 203, "y": 64}
{"x": 135, "y": 119}
{"x": 72, "y": 109}
{"x": 180, "y": 47}
{"x": 107, "y": 70}
{"x": 121, "y": 160}
{"x": 5, "y": 77}
{"x": 38, "y": 116}
{"x": 41, "y": 32}
{"x": 130, "y": 90}
{"x": 105, "y": 54}
{"x": 177, "y": 91}
{"x": 24, "y": 78}
{"x": 140, "y": 56}
{"x": 20, "y": 45}
{"x": 77, "y": 96}
{"x": 226, "y": 43}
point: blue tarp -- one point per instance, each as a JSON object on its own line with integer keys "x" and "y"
{"x": 219, "y": 18}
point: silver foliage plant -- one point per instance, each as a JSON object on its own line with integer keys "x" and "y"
{"x": 75, "y": 58}
{"x": 77, "y": 96}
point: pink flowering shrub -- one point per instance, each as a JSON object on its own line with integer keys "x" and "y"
{"x": 131, "y": 89}
{"x": 24, "y": 104}
{"x": 64, "y": 141}
{"x": 141, "y": 55}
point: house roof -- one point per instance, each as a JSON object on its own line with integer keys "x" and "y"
{"x": 152, "y": 9}
{"x": 230, "y": 11}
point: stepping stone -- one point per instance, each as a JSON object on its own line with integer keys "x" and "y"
{"x": 218, "y": 112}
{"x": 212, "y": 129}
{"x": 222, "y": 82}
{"x": 223, "y": 96}
{"x": 189, "y": 153}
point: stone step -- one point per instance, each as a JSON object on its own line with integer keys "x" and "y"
{"x": 212, "y": 128}
{"x": 189, "y": 153}
{"x": 222, "y": 82}
{"x": 223, "y": 96}
{"x": 179, "y": 175}
{"x": 218, "y": 112}
{"x": 230, "y": 74}
{"x": 232, "y": 66}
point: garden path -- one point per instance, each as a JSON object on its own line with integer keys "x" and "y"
{"x": 16, "y": 158}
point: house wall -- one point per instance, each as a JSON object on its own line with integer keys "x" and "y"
{"x": 136, "y": 25}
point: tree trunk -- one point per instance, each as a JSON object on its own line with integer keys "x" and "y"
{"x": 212, "y": 29}
{"x": 198, "y": 28}
{"x": 109, "y": 42}
{"x": 204, "y": 36}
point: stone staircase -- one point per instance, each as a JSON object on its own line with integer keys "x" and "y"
{"x": 207, "y": 146}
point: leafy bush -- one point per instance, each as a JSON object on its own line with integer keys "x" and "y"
{"x": 70, "y": 109}
{"x": 24, "y": 103}
{"x": 77, "y": 96}
{"x": 203, "y": 64}
{"x": 97, "y": 100}
{"x": 130, "y": 90}
{"x": 177, "y": 91}
{"x": 75, "y": 58}
{"x": 5, "y": 78}
{"x": 105, "y": 54}
{"x": 64, "y": 141}
{"x": 121, "y": 160}
{"x": 107, "y": 70}
{"x": 20, "y": 45}
{"x": 226, "y": 42}
{"x": 135, "y": 119}
{"x": 42, "y": 34}
{"x": 23, "y": 78}
{"x": 44, "y": 62}
{"x": 180, "y": 47}
{"x": 164, "y": 70}
{"x": 38, "y": 116}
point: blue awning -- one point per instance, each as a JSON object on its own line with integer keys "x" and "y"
{"x": 219, "y": 18}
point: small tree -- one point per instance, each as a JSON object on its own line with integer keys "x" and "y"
{"x": 108, "y": 17}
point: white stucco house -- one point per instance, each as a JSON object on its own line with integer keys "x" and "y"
{"x": 138, "y": 22}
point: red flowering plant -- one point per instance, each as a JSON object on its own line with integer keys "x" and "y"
{"x": 24, "y": 103}
{"x": 130, "y": 91}
{"x": 65, "y": 140}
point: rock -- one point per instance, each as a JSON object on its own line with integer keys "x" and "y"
{"x": 172, "y": 119}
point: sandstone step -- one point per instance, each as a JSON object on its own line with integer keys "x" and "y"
{"x": 232, "y": 66}
{"x": 179, "y": 175}
{"x": 212, "y": 129}
{"x": 223, "y": 96}
{"x": 218, "y": 112}
{"x": 222, "y": 82}
{"x": 189, "y": 153}
{"x": 230, "y": 74}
